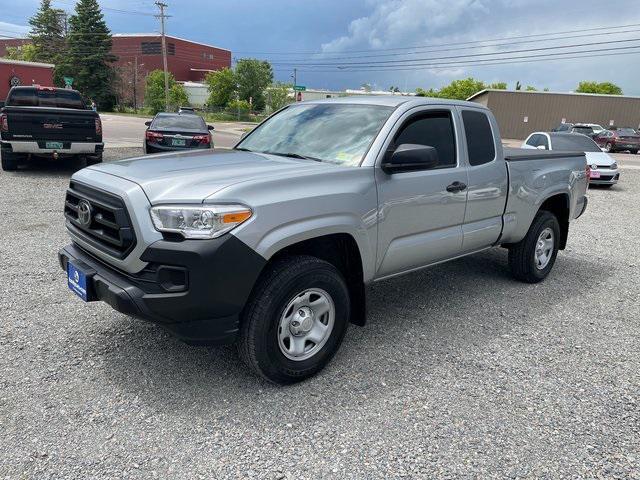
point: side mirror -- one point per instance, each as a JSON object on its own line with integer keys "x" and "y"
{"x": 409, "y": 157}
{"x": 244, "y": 134}
{"x": 210, "y": 127}
{"x": 541, "y": 147}
{"x": 148, "y": 124}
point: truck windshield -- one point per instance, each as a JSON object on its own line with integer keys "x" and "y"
{"x": 574, "y": 143}
{"x": 334, "y": 133}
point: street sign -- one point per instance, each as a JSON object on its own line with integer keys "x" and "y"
{"x": 299, "y": 88}
{"x": 68, "y": 82}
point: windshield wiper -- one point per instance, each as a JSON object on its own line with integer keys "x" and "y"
{"x": 293, "y": 155}
{"x": 242, "y": 149}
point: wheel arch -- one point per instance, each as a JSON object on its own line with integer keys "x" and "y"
{"x": 342, "y": 251}
{"x": 559, "y": 205}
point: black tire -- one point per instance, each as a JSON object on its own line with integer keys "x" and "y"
{"x": 633, "y": 152}
{"x": 9, "y": 161}
{"x": 608, "y": 148}
{"x": 522, "y": 259}
{"x": 93, "y": 159}
{"x": 258, "y": 345}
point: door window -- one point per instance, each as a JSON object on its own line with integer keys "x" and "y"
{"x": 433, "y": 129}
{"x": 480, "y": 141}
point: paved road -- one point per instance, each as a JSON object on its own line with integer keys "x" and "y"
{"x": 128, "y": 131}
{"x": 461, "y": 372}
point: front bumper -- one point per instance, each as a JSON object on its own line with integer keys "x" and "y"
{"x": 37, "y": 148}
{"x": 607, "y": 177}
{"x": 196, "y": 289}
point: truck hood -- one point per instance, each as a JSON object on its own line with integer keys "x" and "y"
{"x": 191, "y": 177}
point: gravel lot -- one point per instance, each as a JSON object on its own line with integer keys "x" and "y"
{"x": 461, "y": 372}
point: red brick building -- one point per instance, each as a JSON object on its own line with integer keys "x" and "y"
{"x": 15, "y": 73}
{"x": 188, "y": 61}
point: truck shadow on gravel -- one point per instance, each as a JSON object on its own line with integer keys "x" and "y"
{"x": 428, "y": 313}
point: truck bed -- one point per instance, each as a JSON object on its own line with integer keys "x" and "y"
{"x": 521, "y": 154}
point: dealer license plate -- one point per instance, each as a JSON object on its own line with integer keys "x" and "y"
{"x": 77, "y": 281}
{"x": 54, "y": 145}
{"x": 594, "y": 174}
{"x": 178, "y": 142}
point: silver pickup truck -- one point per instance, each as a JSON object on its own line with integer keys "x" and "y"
{"x": 271, "y": 245}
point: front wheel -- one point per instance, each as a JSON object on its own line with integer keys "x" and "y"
{"x": 608, "y": 148}
{"x": 532, "y": 259}
{"x": 295, "y": 319}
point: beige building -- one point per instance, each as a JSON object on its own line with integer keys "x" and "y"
{"x": 519, "y": 113}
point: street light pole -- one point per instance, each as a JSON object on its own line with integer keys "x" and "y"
{"x": 162, "y": 16}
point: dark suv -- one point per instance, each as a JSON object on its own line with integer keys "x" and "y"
{"x": 618, "y": 140}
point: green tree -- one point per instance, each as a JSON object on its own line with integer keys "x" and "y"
{"x": 47, "y": 34}
{"x": 462, "y": 89}
{"x": 26, "y": 53}
{"x": 498, "y": 86}
{"x": 154, "y": 93}
{"x": 420, "y": 92}
{"x": 253, "y": 77}
{"x": 278, "y": 96}
{"x": 531, "y": 88}
{"x": 89, "y": 57}
{"x": 222, "y": 87}
{"x": 605, "y": 88}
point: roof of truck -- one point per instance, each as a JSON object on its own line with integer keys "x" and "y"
{"x": 395, "y": 100}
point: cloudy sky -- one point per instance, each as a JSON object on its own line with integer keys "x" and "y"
{"x": 371, "y": 38}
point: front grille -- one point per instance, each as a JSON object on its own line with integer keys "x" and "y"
{"x": 107, "y": 227}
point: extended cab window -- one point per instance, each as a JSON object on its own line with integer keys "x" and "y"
{"x": 434, "y": 130}
{"x": 480, "y": 142}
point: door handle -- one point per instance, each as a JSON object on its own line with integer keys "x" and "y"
{"x": 456, "y": 187}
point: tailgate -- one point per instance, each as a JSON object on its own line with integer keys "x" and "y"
{"x": 59, "y": 124}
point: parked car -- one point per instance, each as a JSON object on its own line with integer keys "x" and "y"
{"x": 589, "y": 129}
{"x": 619, "y": 140}
{"x": 271, "y": 245}
{"x": 563, "y": 127}
{"x": 186, "y": 110}
{"x": 48, "y": 122}
{"x": 177, "y": 131}
{"x": 603, "y": 168}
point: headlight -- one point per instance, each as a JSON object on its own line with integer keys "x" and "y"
{"x": 614, "y": 166}
{"x": 201, "y": 221}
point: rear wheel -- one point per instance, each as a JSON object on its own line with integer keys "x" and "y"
{"x": 634, "y": 152}
{"x": 532, "y": 259}
{"x": 608, "y": 148}
{"x": 295, "y": 319}
{"x": 93, "y": 159}
{"x": 9, "y": 161}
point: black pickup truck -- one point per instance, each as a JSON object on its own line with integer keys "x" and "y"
{"x": 48, "y": 122}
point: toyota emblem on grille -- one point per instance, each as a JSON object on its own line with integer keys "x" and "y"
{"x": 84, "y": 213}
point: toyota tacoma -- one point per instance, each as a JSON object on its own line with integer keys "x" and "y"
{"x": 271, "y": 245}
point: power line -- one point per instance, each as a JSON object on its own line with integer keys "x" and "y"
{"x": 449, "y": 57}
{"x": 471, "y": 42}
{"x": 504, "y": 61}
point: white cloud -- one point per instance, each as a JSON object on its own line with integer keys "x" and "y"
{"x": 404, "y": 22}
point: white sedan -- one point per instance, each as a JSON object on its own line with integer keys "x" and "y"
{"x": 604, "y": 169}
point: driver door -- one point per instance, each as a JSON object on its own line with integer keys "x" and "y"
{"x": 421, "y": 212}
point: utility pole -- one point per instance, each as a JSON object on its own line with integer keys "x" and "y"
{"x": 295, "y": 77}
{"x": 135, "y": 85}
{"x": 162, "y": 16}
